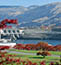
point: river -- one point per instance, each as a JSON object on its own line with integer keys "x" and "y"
{"x": 52, "y": 42}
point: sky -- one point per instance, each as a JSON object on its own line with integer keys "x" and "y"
{"x": 25, "y": 3}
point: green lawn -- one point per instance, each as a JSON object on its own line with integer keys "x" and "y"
{"x": 25, "y": 51}
{"x": 55, "y": 52}
{"x": 37, "y": 59}
{"x": 32, "y": 58}
{"x": 34, "y": 51}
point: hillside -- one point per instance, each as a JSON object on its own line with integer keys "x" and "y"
{"x": 33, "y": 15}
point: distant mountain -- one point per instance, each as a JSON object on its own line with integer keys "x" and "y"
{"x": 33, "y": 15}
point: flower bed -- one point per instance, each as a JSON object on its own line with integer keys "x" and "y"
{"x": 9, "y": 59}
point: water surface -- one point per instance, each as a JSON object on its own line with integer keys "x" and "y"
{"x": 52, "y": 42}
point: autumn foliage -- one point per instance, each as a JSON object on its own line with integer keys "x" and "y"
{"x": 38, "y": 46}
{"x": 4, "y": 47}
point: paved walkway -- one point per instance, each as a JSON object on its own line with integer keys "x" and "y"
{"x": 16, "y": 52}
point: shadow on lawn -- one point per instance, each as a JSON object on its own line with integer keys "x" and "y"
{"x": 37, "y": 57}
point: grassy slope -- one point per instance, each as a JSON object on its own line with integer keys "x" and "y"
{"x": 34, "y": 51}
{"x": 37, "y": 58}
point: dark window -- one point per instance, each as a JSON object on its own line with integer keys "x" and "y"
{"x": 9, "y": 31}
{"x": 13, "y": 31}
{"x": 4, "y": 31}
{"x": 18, "y": 31}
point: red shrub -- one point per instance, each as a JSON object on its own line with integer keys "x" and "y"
{"x": 58, "y": 47}
{"x": 4, "y": 47}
